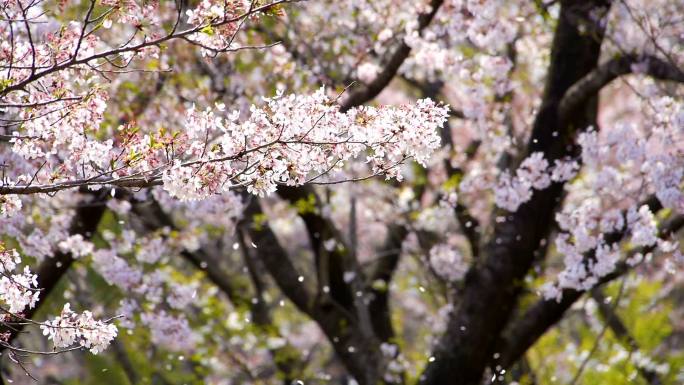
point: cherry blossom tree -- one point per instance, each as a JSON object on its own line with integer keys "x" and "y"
{"x": 358, "y": 192}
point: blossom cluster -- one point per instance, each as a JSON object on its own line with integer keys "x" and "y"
{"x": 53, "y": 50}
{"x": 534, "y": 173}
{"x": 296, "y": 138}
{"x": 169, "y": 331}
{"x": 396, "y": 365}
{"x": 447, "y": 262}
{"x": 584, "y": 227}
{"x": 622, "y": 166}
{"x": 135, "y": 13}
{"x": 59, "y": 111}
{"x": 9, "y": 205}
{"x": 17, "y": 290}
{"x": 76, "y": 245}
{"x": 216, "y": 34}
{"x": 483, "y": 24}
{"x": 70, "y": 328}
{"x": 134, "y": 265}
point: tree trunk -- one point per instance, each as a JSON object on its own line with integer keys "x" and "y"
{"x": 492, "y": 287}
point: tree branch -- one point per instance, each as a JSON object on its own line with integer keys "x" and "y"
{"x": 589, "y": 85}
{"x": 379, "y": 308}
{"x": 367, "y": 92}
{"x": 73, "y": 61}
{"x": 287, "y": 358}
{"x": 330, "y": 264}
{"x": 361, "y": 356}
{"x": 276, "y": 260}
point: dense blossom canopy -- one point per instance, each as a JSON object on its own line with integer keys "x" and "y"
{"x": 343, "y": 192}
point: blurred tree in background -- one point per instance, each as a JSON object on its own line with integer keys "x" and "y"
{"x": 341, "y": 192}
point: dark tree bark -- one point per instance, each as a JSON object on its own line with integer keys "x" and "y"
{"x": 360, "y": 354}
{"x": 330, "y": 264}
{"x": 379, "y": 306}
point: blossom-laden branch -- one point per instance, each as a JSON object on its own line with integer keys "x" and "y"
{"x": 213, "y": 27}
{"x": 541, "y": 316}
{"x": 70, "y": 328}
{"x": 20, "y": 291}
{"x": 290, "y": 140}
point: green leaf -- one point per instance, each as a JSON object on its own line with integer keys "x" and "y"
{"x": 208, "y": 30}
